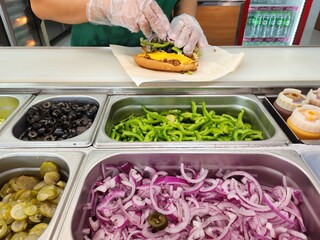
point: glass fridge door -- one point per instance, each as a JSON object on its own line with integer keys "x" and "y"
{"x": 272, "y": 22}
{"x": 20, "y": 23}
{"x": 4, "y": 41}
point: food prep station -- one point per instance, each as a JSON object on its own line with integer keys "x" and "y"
{"x": 99, "y": 79}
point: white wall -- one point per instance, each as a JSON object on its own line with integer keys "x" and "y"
{"x": 307, "y": 33}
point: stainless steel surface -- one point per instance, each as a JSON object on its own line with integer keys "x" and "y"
{"x": 120, "y": 107}
{"x": 269, "y": 167}
{"x": 16, "y": 163}
{"x": 11, "y": 104}
{"x": 312, "y": 159}
{"x": 10, "y": 137}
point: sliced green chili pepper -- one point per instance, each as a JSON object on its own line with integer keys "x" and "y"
{"x": 205, "y": 111}
{"x": 193, "y": 107}
{"x": 157, "y": 221}
{"x": 155, "y": 44}
{"x": 175, "y": 125}
{"x": 132, "y": 134}
{"x": 177, "y": 50}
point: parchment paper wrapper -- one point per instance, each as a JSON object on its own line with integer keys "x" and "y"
{"x": 214, "y": 63}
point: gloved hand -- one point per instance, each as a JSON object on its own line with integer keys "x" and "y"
{"x": 186, "y": 32}
{"x": 135, "y": 15}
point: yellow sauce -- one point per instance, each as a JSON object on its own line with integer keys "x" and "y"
{"x": 160, "y": 56}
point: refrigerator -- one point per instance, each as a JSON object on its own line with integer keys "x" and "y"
{"x": 23, "y": 28}
{"x": 273, "y": 22}
{"x": 20, "y": 24}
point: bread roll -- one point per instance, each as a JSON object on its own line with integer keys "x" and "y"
{"x": 163, "y": 61}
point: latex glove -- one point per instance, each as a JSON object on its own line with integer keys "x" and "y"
{"x": 135, "y": 15}
{"x": 186, "y": 32}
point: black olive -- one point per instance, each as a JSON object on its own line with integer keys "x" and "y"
{"x": 34, "y": 109}
{"x": 58, "y": 132}
{"x": 52, "y": 121}
{"x": 32, "y": 119}
{"x": 43, "y": 122}
{"x": 73, "y": 133}
{"x": 63, "y": 118}
{"x": 56, "y": 113}
{"x": 65, "y": 136}
{"x": 61, "y": 104}
{"x": 91, "y": 113}
{"x": 71, "y": 116}
{"x": 49, "y": 130}
{"x": 50, "y": 138}
{"x": 74, "y": 106}
{"x": 66, "y": 109}
{"x": 36, "y": 125}
{"x": 32, "y": 134}
{"x": 46, "y": 105}
{"x": 41, "y": 131}
{"x": 84, "y": 122}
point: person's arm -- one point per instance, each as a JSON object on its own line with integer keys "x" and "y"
{"x": 70, "y": 11}
{"x": 186, "y": 6}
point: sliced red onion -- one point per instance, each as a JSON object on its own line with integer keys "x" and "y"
{"x": 148, "y": 234}
{"x": 171, "y": 180}
{"x": 209, "y": 185}
{"x": 132, "y": 185}
{"x": 131, "y": 234}
{"x": 154, "y": 201}
{"x": 248, "y": 176}
{"x": 118, "y": 221}
{"x": 196, "y": 207}
{"x": 138, "y": 202}
{"x": 203, "y": 175}
{"x": 276, "y": 210}
{"x": 194, "y": 189}
{"x": 186, "y": 219}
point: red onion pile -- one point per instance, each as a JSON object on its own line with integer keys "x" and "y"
{"x": 233, "y": 206}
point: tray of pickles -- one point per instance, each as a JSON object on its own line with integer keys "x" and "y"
{"x": 187, "y": 120}
{"x": 33, "y": 189}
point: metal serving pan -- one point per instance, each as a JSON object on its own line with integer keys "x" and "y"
{"x": 11, "y": 137}
{"x": 120, "y": 107}
{"x": 14, "y": 164}
{"x": 269, "y": 168}
{"x": 11, "y": 104}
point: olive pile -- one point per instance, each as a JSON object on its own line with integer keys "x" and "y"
{"x": 49, "y": 121}
{"x": 28, "y": 203}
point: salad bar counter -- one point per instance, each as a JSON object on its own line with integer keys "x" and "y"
{"x": 99, "y": 164}
{"x": 110, "y": 160}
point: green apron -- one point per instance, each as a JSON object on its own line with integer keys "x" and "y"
{"x": 87, "y": 34}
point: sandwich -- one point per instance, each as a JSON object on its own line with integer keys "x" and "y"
{"x": 164, "y": 56}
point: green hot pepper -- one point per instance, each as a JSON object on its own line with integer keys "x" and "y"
{"x": 177, "y": 125}
{"x": 157, "y": 221}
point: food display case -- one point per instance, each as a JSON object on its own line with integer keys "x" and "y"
{"x": 57, "y": 92}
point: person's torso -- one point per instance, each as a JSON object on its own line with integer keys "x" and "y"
{"x": 88, "y": 34}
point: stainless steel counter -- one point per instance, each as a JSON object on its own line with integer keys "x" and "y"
{"x": 97, "y": 68}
